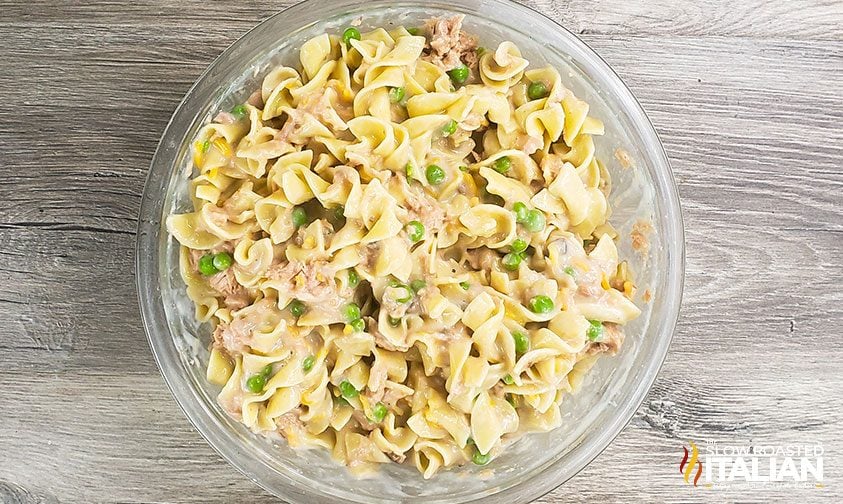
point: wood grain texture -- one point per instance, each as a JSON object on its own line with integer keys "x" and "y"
{"x": 747, "y": 97}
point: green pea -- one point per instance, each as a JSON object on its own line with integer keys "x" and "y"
{"x": 536, "y": 90}
{"x": 396, "y": 94}
{"x": 378, "y": 412}
{"x": 409, "y": 170}
{"x": 518, "y": 245}
{"x": 508, "y": 379}
{"x": 417, "y": 285}
{"x": 413, "y": 31}
{"x": 465, "y": 285}
{"x": 394, "y": 322}
{"x": 521, "y": 211}
{"x": 351, "y": 312}
{"x": 347, "y": 390}
{"x": 480, "y": 459}
{"x": 297, "y": 308}
{"x": 223, "y": 261}
{"x": 435, "y": 175}
{"x": 511, "y": 261}
{"x": 206, "y": 265}
{"x": 541, "y": 304}
{"x": 256, "y": 383}
{"x": 206, "y": 146}
{"x": 502, "y": 165}
{"x": 450, "y": 128}
{"x": 353, "y": 278}
{"x": 595, "y": 330}
{"x": 407, "y": 296}
{"x": 522, "y": 342}
{"x": 350, "y": 33}
{"x": 299, "y": 217}
{"x": 570, "y": 270}
{"x": 358, "y": 325}
{"x": 415, "y": 230}
{"x": 266, "y": 371}
{"x": 307, "y": 363}
{"x": 535, "y": 221}
{"x": 240, "y": 111}
{"x": 459, "y": 74}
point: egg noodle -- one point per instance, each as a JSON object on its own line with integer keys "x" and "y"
{"x": 405, "y": 254}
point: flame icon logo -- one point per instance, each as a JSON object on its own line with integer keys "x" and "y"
{"x": 689, "y": 462}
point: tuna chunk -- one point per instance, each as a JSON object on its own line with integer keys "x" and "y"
{"x": 424, "y": 209}
{"x": 236, "y": 336}
{"x": 610, "y": 342}
{"x": 219, "y": 339}
{"x": 234, "y": 295}
{"x": 225, "y": 118}
{"x": 283, "y": 271}
{"x": 225, "y": 283}
{"x": 290, "y": 423}
{"x": 449, "y": 47}
{"x": 255, "y": 99}
{"x": 323, "y": 107}
{"x": 481, "y": 259}
{"x": 233, "y": 338}
{"x": 363, "y": 421}
{"x": 311, "y": 282}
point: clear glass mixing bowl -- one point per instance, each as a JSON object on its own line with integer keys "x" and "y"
{"x": 615, "y": 387}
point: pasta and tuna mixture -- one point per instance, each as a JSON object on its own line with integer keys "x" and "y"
{"x": 403, "y": 248}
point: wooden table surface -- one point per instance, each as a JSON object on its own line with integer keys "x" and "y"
{"x": 747, "y": 97}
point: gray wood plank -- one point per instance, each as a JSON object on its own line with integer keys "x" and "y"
{"x": 802, "y": 19}
{"x": 749, "y": 19}
{"x": 746, "y": 95}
